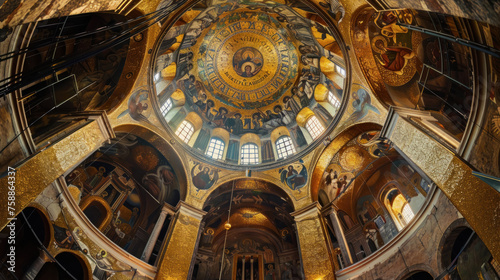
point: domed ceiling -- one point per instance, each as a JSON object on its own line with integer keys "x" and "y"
{"x": 246, "y": 64}
{"x": 245, "y": 72}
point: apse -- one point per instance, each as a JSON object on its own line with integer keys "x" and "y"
{"x": 248, "y": 231}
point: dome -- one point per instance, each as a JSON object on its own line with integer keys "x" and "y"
{"x": 243, "y": 84}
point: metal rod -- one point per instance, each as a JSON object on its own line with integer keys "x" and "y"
{"x": 474, "y": 45}
{"x": 225, "y": 237}
{"x": 77, "y": 35}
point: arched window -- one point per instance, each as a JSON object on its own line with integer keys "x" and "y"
{"x": 284, "y": 147}
{"x": 314, "y": 127}
{"x": 185, "y": 131}
{"x": 166, "y": 107}
{"x": 249, "y": 154}
{"x": 333, "y": 100}
{"x": 215, "y": 148}
{"x": 396, "y": 203}
{"x": 407, "y": 213}
{"x": 340, "y": 70}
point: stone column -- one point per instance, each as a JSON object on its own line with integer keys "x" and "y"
{"x": 331, "y": 211}
{"x": 476, "y": 200}
{"x": 251, "y": 268}
{"x": 243, "y": 270}
{"x": 43, "y": 168}
{"x": 317, "y": 259}
{"x": 176, "y": 255}
{"x": 36, "y": 266}
{"x": 153, "y": 238}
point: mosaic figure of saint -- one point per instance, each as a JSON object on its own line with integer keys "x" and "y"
{"x": 247, "y": 62}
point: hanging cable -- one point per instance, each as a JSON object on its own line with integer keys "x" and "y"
{"x": 454, "y": 262}
{"x": 20, "y": 80}
{"x": 42, "y": 247}
{"x": 75, "y": 36}
{"x": 227, "y": 227}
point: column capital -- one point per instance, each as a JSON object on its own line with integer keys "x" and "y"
{"x": 313, "y": 208}
{"x": 330, "y": 208}
{"x": 168, "y": 209}
{"x": 45, "y": 256}
{"x": 190, "y": 210}
{"x": 104, "y": 124}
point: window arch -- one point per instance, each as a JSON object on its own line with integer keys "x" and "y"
{"x": 215, "y": 148}
{"x": 314, "y": 127}
{"x": 185, "y": 131}
{"x": 285, "y": 147}
{"x": 395, "y": 204}
{"x": 166, "y": 107}
{"x": 249, "y": 153}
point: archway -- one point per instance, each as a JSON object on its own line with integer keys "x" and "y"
{"x": 31, "y": 227}
{"x": 124, "y": 187}
{"x": 464, "y": 255}
{"x": 261, "y": 240}
{"x": 419, "y": 275}
{"x": 376, "y": 191}
{"x": 67, "y": 266}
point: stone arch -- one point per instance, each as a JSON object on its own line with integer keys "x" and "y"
{"x": 66, "y": 263}
{"x": 32, "y": 231}
{"x": 165, "y": 148}
{"x": 274, "y": 180}
{"x": 417, "y": 272}
{"x": 450, "y": 235}
{"x": 45, "y": 218}
{"x": 333, "y": 148}
{"x": 261, "y": 227}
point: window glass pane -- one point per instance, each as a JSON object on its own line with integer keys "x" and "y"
{"x": 314, "y": 127}
{"x": 284, "y": 147}
{"x": 215, "y": 148}
{"x": 249, "y": 154}
{"x": 407, "y": 213}
{"x": 333, "y": 100}
{"x": 185, "y": 131}
{"x": 166, "y": 107}
{"x": 340, "y": 70}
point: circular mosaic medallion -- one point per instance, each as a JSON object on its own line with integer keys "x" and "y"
{"x": 248, "y": 63}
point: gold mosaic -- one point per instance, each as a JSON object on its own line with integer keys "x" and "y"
{"x": 247, "y": 61}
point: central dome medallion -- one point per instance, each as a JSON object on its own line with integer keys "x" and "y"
{"x": 248, "y": 63}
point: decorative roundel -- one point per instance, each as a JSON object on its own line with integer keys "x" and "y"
{"x": 247, "y": 62}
